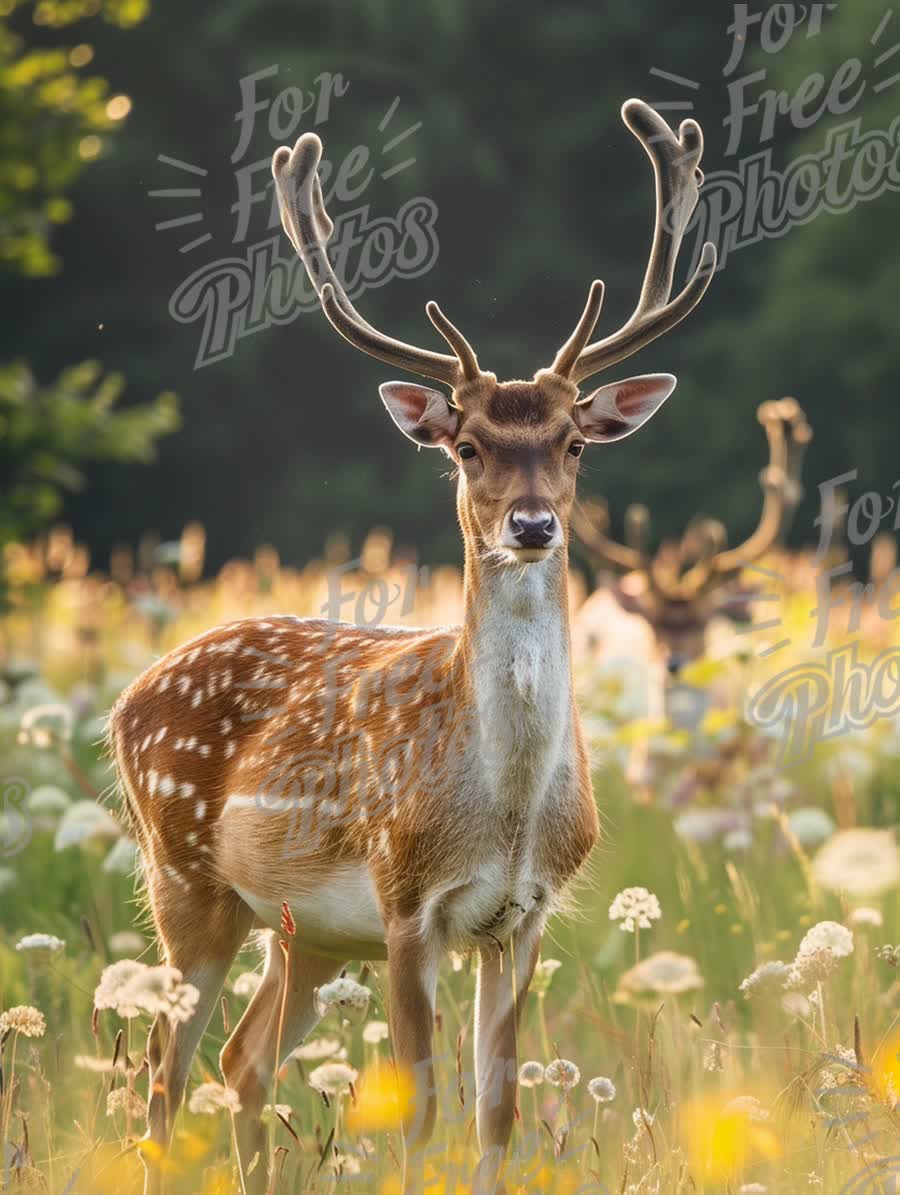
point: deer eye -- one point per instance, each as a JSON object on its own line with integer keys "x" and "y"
{"x": 576, "y": 448}
{"x": 466, "y": 451}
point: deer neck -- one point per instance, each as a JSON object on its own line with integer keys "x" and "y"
{"x": 514, "y": 653}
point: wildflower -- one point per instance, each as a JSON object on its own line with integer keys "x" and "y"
{"x": 866, "y": 916}
{"x": 795, "y": 1004}
{"x": 342, "y": 993}
{"x": 318, "y": 1048}
{"x": 332, "y": 1077}
{"x": 209, "y": 1098}
{"x": 664, "y": 971}
{"x": 130, "y": 988}
{"x": 23, "y": 1019}
{"x": 126, "y": 942}
{"x": 271, "y": 1113}
{"x": 889, "y": 955}
{"x": 98, "y": 1066}
{"x": 127, "y": 1100}
{"x": 384, "y": 1100}
{"x": 82, "y": 822}
{"x": 767, "y": 975}
{"x": 45, "y": 943}
{"x": 862, "y": 862}
{"x": 749, "y": 1106}
{"x": 828, "y": 935}
{"x": 812, "y": 966}
{"x": 562, "y": 1073}
{"x": 810, "y": 825}
{"x": 531, "y": 1074}
{"x": 123, "y": 857}
{"x": 640, "y": 1118}
{"x": 247, "y": 985}
{"x": 635, "y": 908}
{"x": 601, "y": 1090}
{"x": 543, "y": 975}
{"x": 48, "y": 799}
{"x": 31, "y": 730}
{"x": 375, "y": 1032}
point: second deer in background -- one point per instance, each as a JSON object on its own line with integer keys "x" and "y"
{"x": 660, "y": 611}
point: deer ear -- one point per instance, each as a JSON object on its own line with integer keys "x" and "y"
{"x": 421, "y": 413}
{"x": 615, "y": 411}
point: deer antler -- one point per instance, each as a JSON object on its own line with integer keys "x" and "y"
{"x": 676, "y": 166}
{"x": 309, "y": 228}
{"x": 788, "y": 435}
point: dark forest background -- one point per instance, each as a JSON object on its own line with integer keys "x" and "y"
{"x": 539, "y": 188}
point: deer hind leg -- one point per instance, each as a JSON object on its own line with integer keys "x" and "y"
{"x": 274, "y": 1020}
{"x": 201, "y": 929}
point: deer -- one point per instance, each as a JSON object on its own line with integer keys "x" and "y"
{"x": 662, "y": 609}
{"x": 401, "y": 792}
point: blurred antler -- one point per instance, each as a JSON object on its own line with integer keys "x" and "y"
{"x": 703, "y": 543}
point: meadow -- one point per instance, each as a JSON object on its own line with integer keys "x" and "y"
{"x": 720, "y": 1013}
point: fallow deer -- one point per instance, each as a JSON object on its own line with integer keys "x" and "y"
{"x": 663, "y": 607}
{"x": 404, "y": 792}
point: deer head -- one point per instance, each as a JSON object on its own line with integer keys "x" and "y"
{"x": 517, "y": 443}
{"x": 680, "y": 588}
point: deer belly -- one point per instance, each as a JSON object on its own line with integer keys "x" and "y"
{"x": 338, "y": 916}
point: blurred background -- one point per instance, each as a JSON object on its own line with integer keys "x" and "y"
{"x": 511, "y": 112}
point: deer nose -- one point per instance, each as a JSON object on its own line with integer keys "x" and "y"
{"x": 533, "y": 530}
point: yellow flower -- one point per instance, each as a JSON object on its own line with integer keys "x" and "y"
{"x": 384, "y": 1100}
{"x": 886, "y": 1069}
{"x": 723, "y": 1137}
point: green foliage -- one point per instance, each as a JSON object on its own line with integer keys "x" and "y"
{"x": 48, "y": 432}
{"x": 51, "y": 118}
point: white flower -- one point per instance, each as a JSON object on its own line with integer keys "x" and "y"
{"x": 318, "y": 1047}
{"x": 209, "y": 1098}
{"x": 635, "y": 908}
{"x": 34, "y": 728}
{"x": 24, "y": 1019}
{"x": 247, "y": 985}
{"x": 812, "y": 966}
{"x": 126, "y": 941}
{"x": 130, "y": 988}
{"x": 48, "y": 798}
{"x": 767, "y": 975}
{"x": 664, "y": 971}
{"x": 828, "y": 935}
{"x": 531, "y": 1074}
{"x": 810, "y": 825}
{"x": 375, "y": 1032}
{"x": 332, "y": 1077}
{"x": 795, "y": 1004}
{"x": 122, "y": 858}
{"x": 342, "y": 993}
{"x": 543, "y": 974}
{"x": 866, "y": 916}
{"x": 127, "y": 1101}
{"x": 641, "y": 1117}
{"x": 602, "y": 1090}
{"x": 83, "y": 821}
{"x": 864, "y": 863}
{"x": 271, "y": 1112}
{"x": 562, "y": 1073}
{"x": 46, "y": 943}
